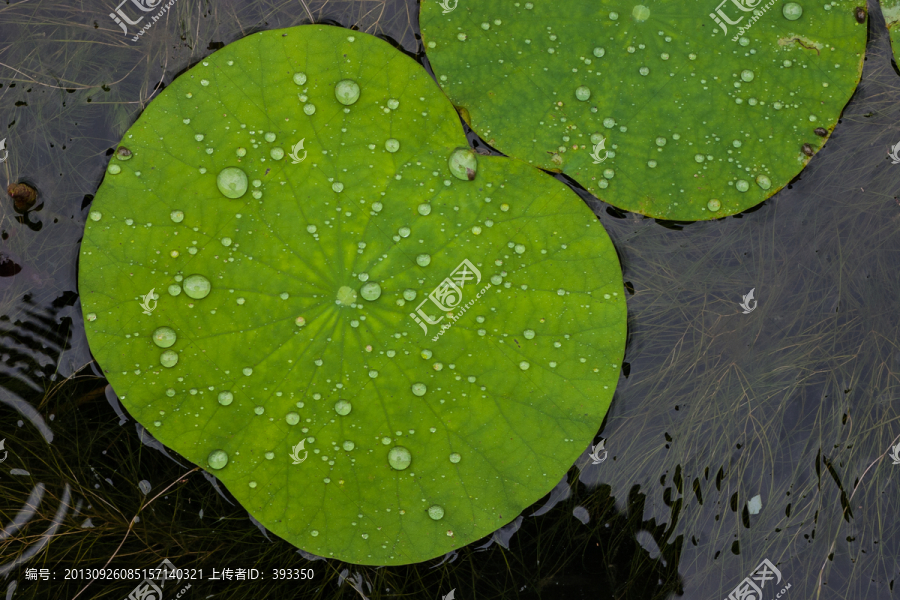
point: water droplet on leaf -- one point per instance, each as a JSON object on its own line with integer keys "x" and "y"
{"x": 792, "y": 11}
{"x": 346, "y": 91}
{"x": 232, "y": 182}
{"x": 164, "y": 337}
{"x": 399, "y": 458}
{"x": 217, "y": 459}
{"x": 463, "y": 164}
{"x": 370, "y": 291}
{"x": 196, "y": 286}
{"x": 168, "y": 359}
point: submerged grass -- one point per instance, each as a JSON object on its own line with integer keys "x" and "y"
{"x": 798, "y": 401}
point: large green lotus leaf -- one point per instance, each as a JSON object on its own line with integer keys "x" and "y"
{"x": 367, "y": 306}
{"x": 658, "y": 108}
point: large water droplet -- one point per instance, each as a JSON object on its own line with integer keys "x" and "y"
{"x": 763, "y": 182}
{"x": 792, "y": 11}
{"x": 177, "y": 216}
{"x": 399, "y": 458}
{"x": 217, "y": 459}
{"x": 640, "y": 13}
{"x": 343, "y": 407}
{"x": 346, "y": 91}
{"x": 713, "y": 205}
{"x": 348, "y": 445}
{"x": 747, "y": 75}
{"x": 292, "y": 418}
{"x": 419, "y": 389}
{"x": 164, "y": 337}
{"x": 225, "y": 398}
{"x": 232, "y": 182}
{"x": 436, "y": 512}
{"x": 392, "y": 145}
{"x": 370, "y": 291}
{"x": 168, "y": 359}
{"x": 463, "y": 164}
{"x": 455, "y": 458}
{"x": 299, "y": 78}
{"x": 196, "y": 286}
{"x": 583, "y": 93}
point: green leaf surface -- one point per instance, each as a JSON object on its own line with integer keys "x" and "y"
{"x": 652, "y": 107}
{"x": 891, "y": 11}
{"x": 306, "y": 374}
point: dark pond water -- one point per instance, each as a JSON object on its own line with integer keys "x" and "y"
{"x": 796, "y": 403}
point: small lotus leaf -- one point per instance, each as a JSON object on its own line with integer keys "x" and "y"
{"x": 677, "y": 110}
